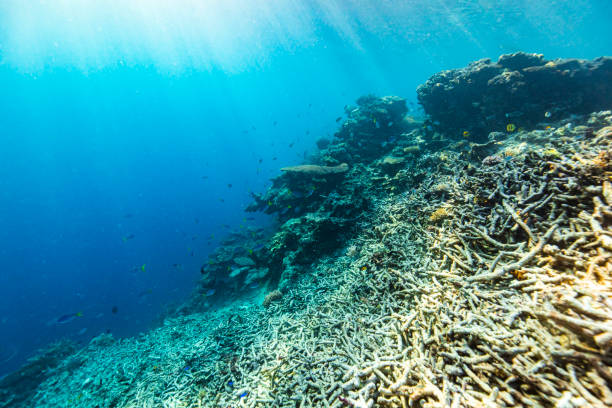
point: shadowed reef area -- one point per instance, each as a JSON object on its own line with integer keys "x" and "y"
{"x": 460, "y": 260}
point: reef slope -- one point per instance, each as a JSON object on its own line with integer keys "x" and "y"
{"x": 432, "y": 272}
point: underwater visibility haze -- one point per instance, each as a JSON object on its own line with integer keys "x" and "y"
{"x": 305, "y": 203}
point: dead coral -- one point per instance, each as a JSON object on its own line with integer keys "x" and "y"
{"x": 271, "y": 297}
{"x": 439, "y": 214}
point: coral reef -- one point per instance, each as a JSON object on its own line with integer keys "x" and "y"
{"x": 310, "y": 170}
{"x": 520, "y": 89}
{"x": 236, "y": 266}
{"x": 19, "y": 387}
{"x": 431, "y": 273}
{"x": 319, "y": 205}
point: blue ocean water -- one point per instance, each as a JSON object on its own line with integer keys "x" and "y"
{"x": 133, "y": 131}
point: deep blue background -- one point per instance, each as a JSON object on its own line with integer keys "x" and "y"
{"x": 91, "y": 153}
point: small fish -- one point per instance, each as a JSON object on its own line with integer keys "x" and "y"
{"x": 143, "y": 267}
{"x": 229, "y": 185}
{"x": 128, "y": 237}
{"x": 274, "y": 158}
{"x": 291, "y": 144}
{"x": 145, "y": 293}
{"x": 115, "y": 309}
{"x": 514, "y": 114}
{"x": 204, "y": 177}
{"x": 260, "y": 161}
{"x": 510, "y": 127}
{"x": 254, "y": 285}
{"x": 466, "y": 133}
{"x": 244, "y": 394}
{"x": 230, "y": 383}
{"x": 364, "y": 268}
{"x": 275, "y": 123}
{"x": 250, "y": 218}
{"x": 187, "y": 368}
{"x": 82, "y": 331}
{"x": 209, "y": 292}
{"x": 67, "y": 318}
{"x": 547, "y": 115}
{"x": 128, "y": 215}
{"x": 222, "y": 200}
{"x": 338, "y": 119}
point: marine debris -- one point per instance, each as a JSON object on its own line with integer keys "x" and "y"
{"x": 434, "y": 272}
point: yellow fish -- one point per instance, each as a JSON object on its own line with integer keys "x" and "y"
{"x": 510, "y": 127}
{"x": 466, "y": 133}
{"x": 143, "y": 267}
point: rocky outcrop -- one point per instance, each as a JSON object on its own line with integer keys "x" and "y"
{"x": 518, "y": 91}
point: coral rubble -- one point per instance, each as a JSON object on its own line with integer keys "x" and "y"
{"x": 428, "y": 272}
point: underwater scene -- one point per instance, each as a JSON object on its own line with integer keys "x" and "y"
{"x": 292, "y": 203}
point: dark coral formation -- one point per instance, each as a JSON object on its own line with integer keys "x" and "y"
{"x": 239, "y": 263}
{"x": 319, "y": 204}
{"x": 520, "y": 90}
